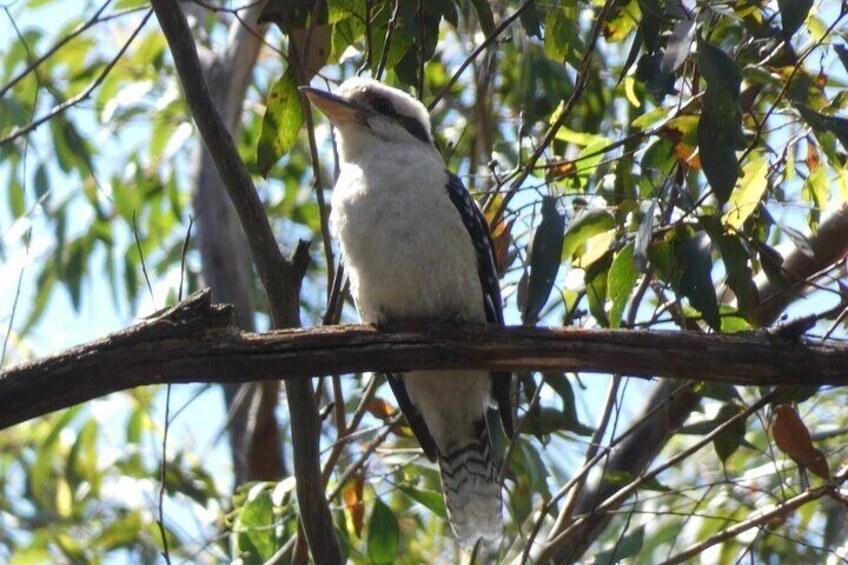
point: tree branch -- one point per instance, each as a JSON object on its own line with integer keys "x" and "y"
{"x": 255, "y": 440}
{"x": 761, "y": 517}
{"x": 281, "y": 277}
{"x": 829, "y": 246}
{"x": 197, "y": 341}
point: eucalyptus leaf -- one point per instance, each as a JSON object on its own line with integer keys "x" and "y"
{"x": 281, "y": 124}
{"x": 719, "y": 129}
{"x": 545, "y": 258}
{"x": 383, "y": 535}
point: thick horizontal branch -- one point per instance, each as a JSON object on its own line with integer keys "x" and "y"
{"x": 197, "y": 341}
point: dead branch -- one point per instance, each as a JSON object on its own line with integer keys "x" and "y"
{"x": 281, "y": 276}
{"x": 197, "y": 341}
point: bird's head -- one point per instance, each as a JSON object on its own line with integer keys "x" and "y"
{"x": 365, "y": 112}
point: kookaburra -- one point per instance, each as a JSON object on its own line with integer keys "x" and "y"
{"x": 418, "y": 249}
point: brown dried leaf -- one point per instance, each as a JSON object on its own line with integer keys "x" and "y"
{"x": 561, "y": 170}
{"x": 793, "y": 438}
{"x": 352, "y": 495}
{"x": 380, "y": 408}
{"x": 813, "y": 158}
{"x": 500, "y": 237}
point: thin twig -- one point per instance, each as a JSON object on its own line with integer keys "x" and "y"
{"x": 421, "y": 32}
{"x": 518, "y": 430}
{"x": 577, "y": 93}
{"x": 591, "y": 451}
{"x": 761, "y": 517}
{"x": 73, "y": 101}
{"x": 353, "y": 425}
{"x": 557, "y": 539}
{"x": 35, "y": 63}
{"x": 281, "y": 277}
{"x": 28, "y": 238}
{"x": 141, "y": 259}
{"x": 298, "y": 58}
{"x": 761, "y": 125}
{"x": 387, "y": 42}
{"x": 369, "y": 47}
{"x": 476, "y": 53}
{"x": 363, "y": 459}
{"x": 161, "y": 521}
{"x": 186, "y": 242}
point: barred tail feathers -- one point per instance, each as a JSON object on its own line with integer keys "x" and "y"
{"x": 471, "y": 488}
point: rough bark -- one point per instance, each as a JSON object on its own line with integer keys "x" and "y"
{"x": 281, "y": 277}
{"x": 254, "y": 435}
{"x": 197, "y": 341}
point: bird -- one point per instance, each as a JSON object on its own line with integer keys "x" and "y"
{"x": 418, "y": 249}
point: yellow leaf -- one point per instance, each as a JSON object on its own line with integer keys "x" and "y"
{"x": 352, "y": 495}
{"x": 595, "y": 247}
{"x": 630, "y": 91}
{"x": 747, "y": 194}
{"x": 379, "y": 408}
{"x": 64, "y": 498}
{"x": 580, "y": 138}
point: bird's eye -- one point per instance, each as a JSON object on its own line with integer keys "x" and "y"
{"x": 383, "y": 106}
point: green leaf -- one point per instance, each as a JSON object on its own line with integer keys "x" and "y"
{"x": 771, "y": 260}
{"x": 427, "y": 498}
{"x": 547, "y": 419}
{"x": 620, "y": 280}
{"x": 695, "y": 282}
{"x": 255, "y": 524}
{"x": 628, "y": 546}
{"x": 530, "y": 21}
{"x": 281, "y": 123}
{"x": 121, "y": 533}
{"x": 530, "y": 465}
{"x": 74, "y": 269}
{"x": 545, "y": 258}
{"x": 821, "y": 122}
{"x": 816, "y": 191}
{"x": 588, "y": 224}
{"x": 484, "y": 14}
{"x": 42, "y": 182}
{"x": 719, "y": 129}
{"x": 727, "y": 442}
{"x": 718, "y": 391}
{"x": 16, "y": 197}
{"x": 127, "y": 4}
{"x": 801, "y": 241}
{"x": 31, "y": 556}
{"x": 45, "y": 283}
{"x": 623, "y": 478}
{"x": 792, "y": 15}
{"x": 383, "y": 535}
{"x": 746, "y": 197}
{"x": 562, "y": 37}
{"x": 645, "y": 217}
{"x": 740, "y": 278}
{"x": 138, "y": 421}
{"x": 82, "y": 460}
{"x": 595, "y": 281}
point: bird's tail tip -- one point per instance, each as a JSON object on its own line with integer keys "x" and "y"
{"x": 472, "y": 491}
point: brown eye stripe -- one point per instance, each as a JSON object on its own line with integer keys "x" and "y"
{"x": 414, "y": 127}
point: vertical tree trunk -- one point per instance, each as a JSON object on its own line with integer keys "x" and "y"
{"x": 253, "y": 432}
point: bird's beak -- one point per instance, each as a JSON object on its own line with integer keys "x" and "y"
{"x": 335, "y": 107}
